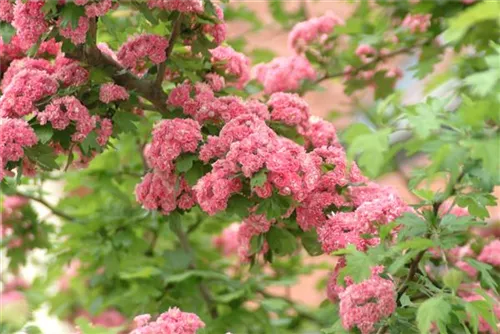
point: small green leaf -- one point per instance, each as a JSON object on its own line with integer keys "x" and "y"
{"x": 310, "y": 242}
{"x": 259, "y": 179}
{"x": 434, "y": 310}
{"x": 281, "y": 241}
{"x": 185, "y": 162}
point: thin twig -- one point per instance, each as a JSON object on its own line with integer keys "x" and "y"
{"x": 205, "y": 293}
{"x": 171, "y": 42}
{"x": 372, "y": 62}
{"x": 49, "y": 206}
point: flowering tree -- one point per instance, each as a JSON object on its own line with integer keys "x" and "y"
{"x": 195, "y": 182}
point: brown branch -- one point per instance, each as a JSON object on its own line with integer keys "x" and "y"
{"x": 171, "y": 42}
{"x": 49, "y": 206}
{"x": 205, "y": 293}
{"x": 145, "y": 88}
{"x": 372, "y": 62}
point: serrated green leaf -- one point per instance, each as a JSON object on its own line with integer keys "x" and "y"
{"x": 281, "y": 241}
{"x": 434, "y": 310}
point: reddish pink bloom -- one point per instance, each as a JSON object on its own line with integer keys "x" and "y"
{"x": 76, "y": 34}
{"x": 61, "y": 111}
{"x": 170, "y": 139}
{"x": 320, "y": 133}
{"x": 491, "y": 253}
{"x": 184, "y": 6}
{"x": 6, "y": 10}
{"x": 110, "y": 92}
{"x": 284, "y": 74}
{"x": 134, "y": 53}
{"x": 99, "y": 8}
{"x": 161, "y": 191}
{"x": 11, "y": 203}
{"x": 417, "y": 22}
{"x": 26, "y": 87}
{"x": 173, "y": 321}
{"x": 364, "y": 304}
{"x": 18, "y": 65}
{"x": 467, "y": 268}
{"x": 289, "y": 109}
{"x": 105, "y": 131}
{"x": 69, "y": 72}
{"x": 365, "y": 53}
{"x": 29, "y": 21}
{"x": 227, "y": 241}
{"x": 15, "y": 134}
{"x": 215, "y": 81}
{"x": 303, "y": 33}
{"x": 234, "y": 63}
{"x": 250, "y": 227}
{"x": 218, "y": 30}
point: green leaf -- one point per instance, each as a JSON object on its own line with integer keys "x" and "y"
{"x": 177, "y": 278}
{"x": 43, "y": 133}
{"x": 185, "y": 162}
{"x": 7, "y": 31}
{"x": 358, "y": 266}
{"x": 310, "y": 242}
{"x": 70, "y": 15}
{"x": 415, "y": 244}
{"x": 141, "y": 272}
{"x": 459, "y": 24}
{"x": 453, "y": 278}
{"x": 256, "y": 243}
{"x": 274, "y": 304}
{"x": 484, "y": 270}
{"x": 125, "y": 121}
{"x": 281, "y": 241}
{"x": 483, "y": 309}
{"x": 424, "y": 118}
{"x": 239, "y": 205}
{"x": 370, "y": 149}
{"x": 434, "y": 310}
{"x": 452, "y": 223}
{"x": 43, "y": 155}
{"x": 274, "y": 206}
{"x": 259, "y": 179}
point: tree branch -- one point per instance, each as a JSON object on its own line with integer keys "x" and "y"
{"x": 171, "y": 42}
{"x": 145, "y": 88}
{"x": 49, "y": 206}
{"x": 205, "y": 293}
{"x": 372, "y": 62}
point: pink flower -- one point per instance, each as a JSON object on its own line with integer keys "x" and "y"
{"x": 218, "y": 30}
{"x": 69, "y": 72}
{"x": 172, "y": 321}
{"x": 320, "y": 133}
{"x": 110, "y": 92}
{"x": 446, "y": 208}
{"x": 303, "y": 33}
{"x": 134, "y": 53}
{"x": 11, "y": 203}
{"x": 417, "y": 22}
{"x": 289, "y": 109}
{"x": 6, "y": 10}
{"x": 109, "y": 318}
{"x": 215, "y": 81}
{"x": 366, "y": 53}
{"x": 26, "y": 87}
{"x": 250, "y": 227}
{"x": 15, "y": 135}
{"x": 284, "y": 74}
{"x": 161, "y": 191}
{"x": 233, "y": 63}
{"x": 227, "y": 241}
{"x": 29, "y": 21}
{"x": 105, "y": 131}
{"x": 61, "y": 111}
{"x": 98, "y": 9}
{"x": 491, "y": 253}
{"x": 170, "y": 139}
{"x": 184, "y": 6}
{"x": 18, "y": 65}
{"x": 467, "y": 268}
{"x": 76, "y": 34}
{"x": 364, "y": 304}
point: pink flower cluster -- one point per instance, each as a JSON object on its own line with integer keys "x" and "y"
{"x": 173, "y": 321}
{"x": 105, "y": 131}
{"x": 61, "y": 111}
{"x": 303, "y": 33}
{"x": 284, "y": 74}
{"x": 137, "y": 50}
{"x": 29, "y": 21}
{"x": 77, "y": 34}
{"x": 364, "y": 304}
{"x": 289, "y": 109}
{"x": 346, "y": 228}
{"x": 218, "y": 30}
{"x": 227, "y": 241}
{"x": 108, "y": 319}
{"x": 110, "y": 92}
{"x": 205, "y": 106}
{"x": 94, "y": 9}
{"x": 250, "y": 227}
{"x": 15, "y": 135}
{"x": 183, "y": 6}
{"x": 69, "y": 72}
{"x": 235, "y": 64}
{"x": 417, "y": 22}
{"x": 491, "y": 253}
{"x": 6, "y": 10}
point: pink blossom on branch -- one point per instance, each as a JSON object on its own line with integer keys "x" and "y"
{"x": 173, "y": 321}
{"x": 417, "y": 22}
{"x": 15, "y": 135}
{"x": 183, "y": 6}
{"x": 491, "y": 253}
{"x": 235, "y": 64}
{"x": 134, "y": 53}
{"x": 29, "y": 21}
{"x": 6, "y": 10}
{"x": 77, "y": 34}
{"x": 284, "y": 74}
{"x": 303, "y": 33}
{"x": 110, "y": 92}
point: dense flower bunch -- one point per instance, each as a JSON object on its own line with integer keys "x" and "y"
{"x": 417, "y": 22}
{"x": 137, "y": 50}
{"x": 15, "y": 135}
{"x": 316, "y": 28}
{"x": 183, "y": 6}
{"x": 172, "y": 321}
{"x": 234, "y": 64}
{"x": 110, "y": 92}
